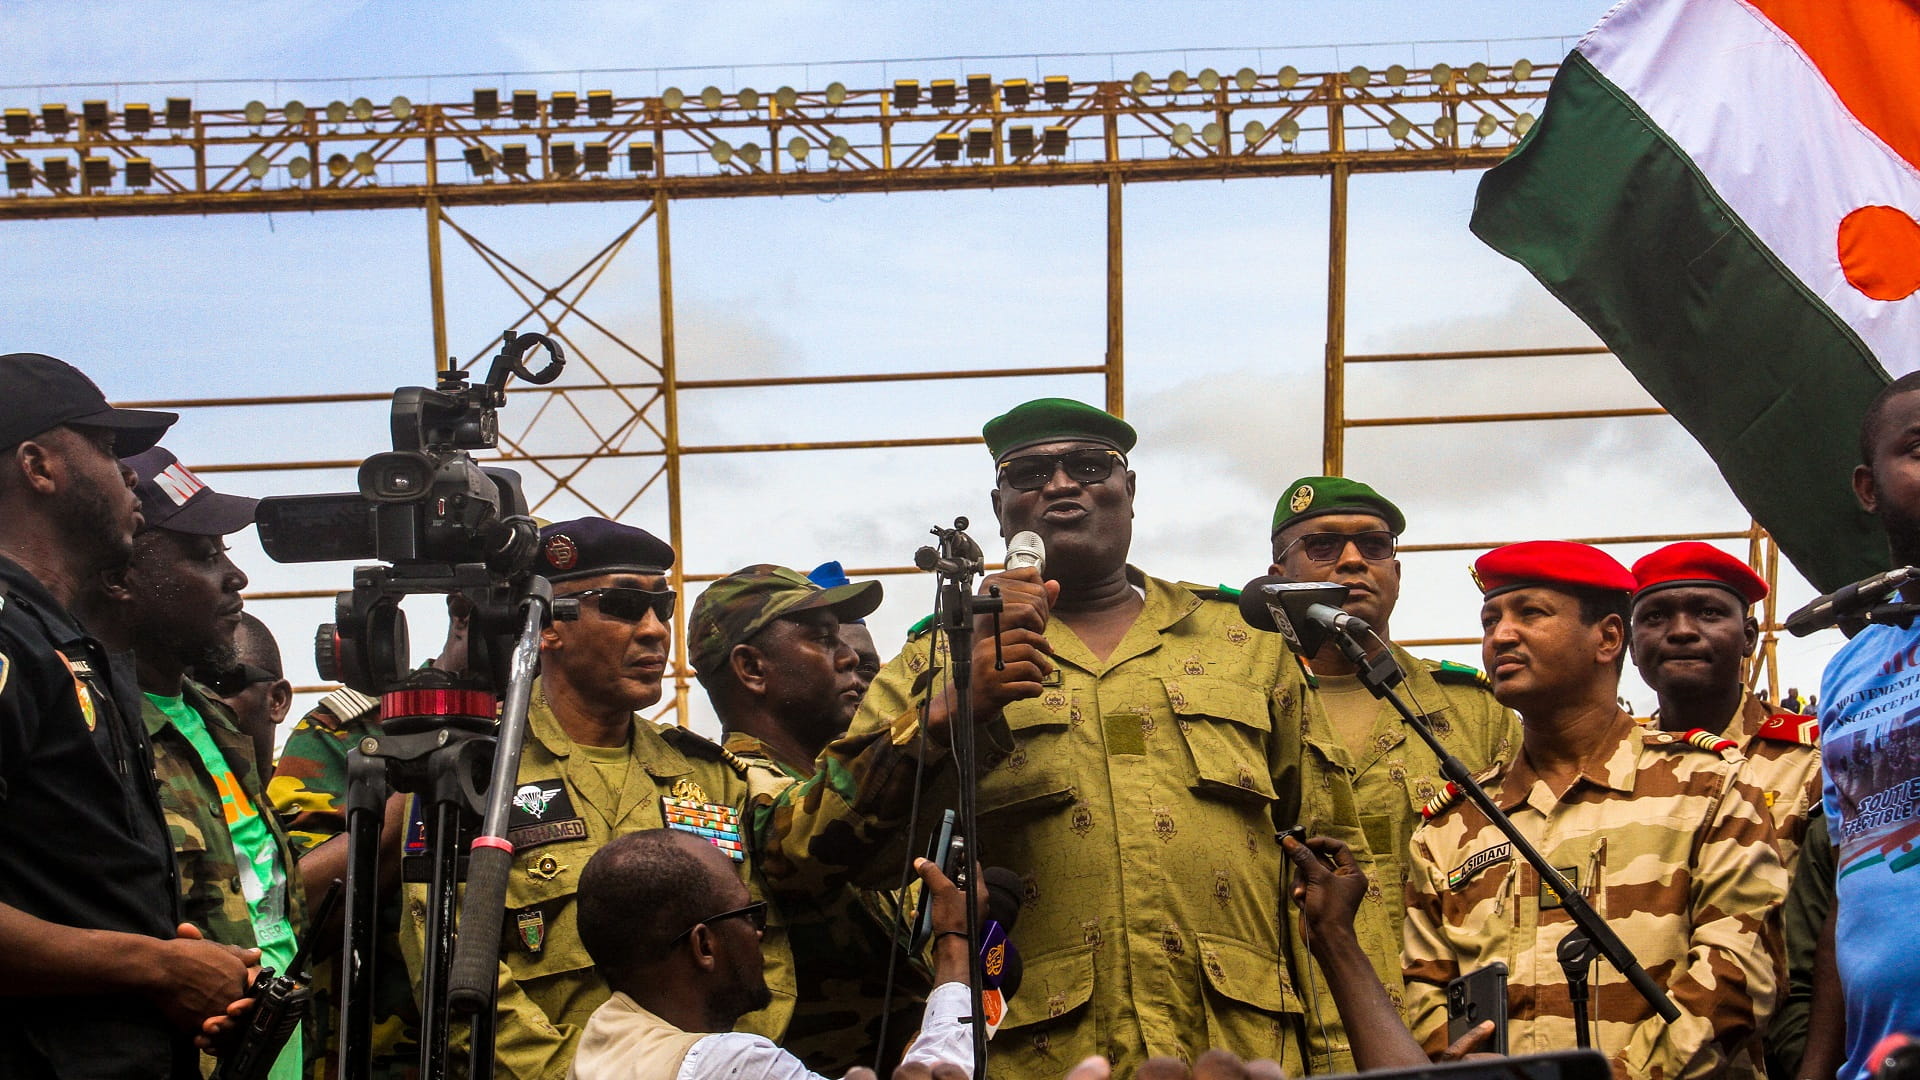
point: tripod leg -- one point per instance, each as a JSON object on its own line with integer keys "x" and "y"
{"x": 444, "y": 842}
{"x": 366, "y": 794}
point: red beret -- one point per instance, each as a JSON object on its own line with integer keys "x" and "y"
{"x": 1560, "y": 564}
{"x": 1691, "y": 562}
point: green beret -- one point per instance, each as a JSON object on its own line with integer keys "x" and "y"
{"x": 1053, "y": 419}
{"x": 1312, "y": 496}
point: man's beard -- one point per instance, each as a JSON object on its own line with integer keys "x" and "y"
{"x": 1903, "y": 535}
{"x": 744, "y": 993}
{"x": 91, "y": 526}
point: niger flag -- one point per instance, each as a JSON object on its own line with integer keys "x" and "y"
{"x": 1725, "y": 191}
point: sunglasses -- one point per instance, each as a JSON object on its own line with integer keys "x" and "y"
{"x": 1326, "y": 547}
{"x": 755, "y": 914}
{"x": 631, "y": 605}
{"x": 1082, "y": 466}
{"x": 235, "y": 679}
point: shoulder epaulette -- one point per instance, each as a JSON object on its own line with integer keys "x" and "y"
{"x": 1709, "y": 741}
{"x": 345, "y": 706}
{"x": 920, "y": 627}
{"x": 1791, "y": 727}
{"x": 1450, "y": 673}
{"x": 1449, "y": 797}
{"x": 684, "y": 740}
{"x": 1212, "y": 592}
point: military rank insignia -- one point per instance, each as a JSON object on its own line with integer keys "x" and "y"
{"x": 718, "y": 823}
{"x": 532, "y": 928}
{"x": 81, "y": 672}
{"x": 1550, "y": 899}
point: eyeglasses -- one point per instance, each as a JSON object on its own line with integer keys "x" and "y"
{"x": 631, "y": 605}
{"x": 1083, "y": 467}
{"x": 237, "y": 678}
{"x": 755, "y": 914}
{"x": 1327, "y": 547}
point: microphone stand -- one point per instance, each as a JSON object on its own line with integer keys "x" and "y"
{"x": 1590, "y": 936}
{"x": 956, "y": 562}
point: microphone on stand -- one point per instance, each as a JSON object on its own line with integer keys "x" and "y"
{"x": 1305, "y": 613}
{"x": 1848, "y": 601}
{"x": 1024, "y": 549}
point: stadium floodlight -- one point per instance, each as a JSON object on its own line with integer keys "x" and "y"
{"x": 96, "y": 171}
{"x": 946, "y": 147}
{"x": 486, "y": 104}
{"x": 58, "y": 172}
{"x": 1485, "y": 126}
{"x": 563, "y": 159}
{"x": 1056, "y": 89}
{"x": 364, "y": 164}
{"x": 256, "y": 113}
{"x": 1443, "y": 128}
{"x": 838, "y": 148}
{"x": 836, "y": 94}
{"x": 1396, "y": 75}
{"x": 19, "y": 124}
{"x": 526, "y": 106}
{"x": 1209, "y": 80}
{"x": 1177, "y": 81}
{"x": 136, "y": 117}
{"x": 1142, "y": 82}
{"x": 979, "y": 143}
{"x": 97, "y": 116}
{"x": 672, "y": 98}
{"x": 640, "y": 158}
{"x": 299, "y": 168}
{"x": 979, "y": 91}
{"x": 362, "y": 109}
{"x": 786, "y": 97}
{"x": 711, "y": 98}
{"x": 1288, "y": 130}
{"x": 1254, "y": 132}
{"x": 599, "y": 104}
{"x": 1246, "y": 78}
{"x": 1522, "y": 70}
{"x": 564, "y": 105}
{"x": 401, "y": 107}
{"x": 749, "y": 98}
{"x": 336, "y": 112}
{"x": 721, "y": 151}
{"x": 598, "y": 157}
{"x": 179, "y": 113}
{"x": 1182, "y": 134}
{"x": 478, "y": 160}
{"x": 906, "y": 93}
{"x": 1441, "y": 74}
{"x": 1053, "y": 143}
{"x": 1289, "y": 77}
{"x": 56, "y": 119}
{"x": 258, "y": 166}
{"x": 1523, "y": 124}
{"x": 943, "y": 93}
{"x": 798, "y": 148}
{"x": 514, "y": 158}
{"x": 19, "y": 174}
{"x": 1212, "y": 134}
{"x": 1020, "y": 141}
{"x": 1359, "y": 77}
{"x": 1017, "y": 93}
{"x": 1476, "y": 73}
{"x": 139, "y": 172}
{"x": 750, "y": 153}
{"x": 295, "y": 112}
{"x": 1399, "y": 128}
{"x": 337, "y": 165}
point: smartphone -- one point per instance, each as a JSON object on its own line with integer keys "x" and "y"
{"x": 1476, "y": 996}
{"x": 938, "y": 853}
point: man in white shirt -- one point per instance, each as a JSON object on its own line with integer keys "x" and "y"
{"x": 691, "y": 966}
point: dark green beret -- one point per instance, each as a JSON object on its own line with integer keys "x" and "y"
{"x": 1053, "y": 419}
{"x": 1312, "y": 496}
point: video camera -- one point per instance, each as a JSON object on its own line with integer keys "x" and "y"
{"x": 443, "y": 523}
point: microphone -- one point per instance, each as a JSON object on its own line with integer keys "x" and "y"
{"x": 1306, "y": 613}
{"x": 1896, "y": 1057}
{"x": 1848, "y": 601}
{"x": 1000, "y": 968}
{"x": 1024, "y": 550}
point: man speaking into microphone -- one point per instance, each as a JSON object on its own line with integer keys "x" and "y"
{"x": 1138, "y": 748}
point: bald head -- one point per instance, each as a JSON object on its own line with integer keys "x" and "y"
{"x": 675, "y": 877}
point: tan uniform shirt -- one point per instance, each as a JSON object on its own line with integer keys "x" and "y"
{"x": 1783, "y": 763}
{"x": 1670, "y": 846}
{"x": 564, "y": 813}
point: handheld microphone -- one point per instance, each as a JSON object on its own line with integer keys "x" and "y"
{"x": 1000, "y": 968}
{"x": 1305, "y": 613}
{"x": 1024, "y": 549}
{"x": 1848, "y": 601}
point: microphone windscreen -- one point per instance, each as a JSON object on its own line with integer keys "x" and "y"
{"x": 1253, "y": 605}
{"x": 1005, "y": 893}
{"x": 1010, "y": 978}
{"x": 1025, "y": 549}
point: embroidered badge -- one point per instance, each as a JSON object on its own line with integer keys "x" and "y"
{"x": 533, "y": 929}
{"x": 534, "y": 798}
{"x": 542, "y": 813}
{"x": 81, "y": 671}
{"x": 719, "y": 824}
{"x": 1550, "y": 899}
{"x": 1476, "y": 862}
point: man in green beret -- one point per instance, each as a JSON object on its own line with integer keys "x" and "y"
{"x": 1139, "y": 744}
{"x": 1331, "y": 528}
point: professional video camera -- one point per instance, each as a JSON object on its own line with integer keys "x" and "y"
{"x": 445, "y": 524}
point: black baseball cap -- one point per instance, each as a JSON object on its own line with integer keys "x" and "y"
{"x": 43, "y": 393}
{"x": 172, "y": 497}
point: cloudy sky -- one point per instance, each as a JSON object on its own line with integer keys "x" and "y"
{"x": 1225, "y": 290}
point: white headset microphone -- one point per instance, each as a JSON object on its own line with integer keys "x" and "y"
{"x": 1024, "y": 549}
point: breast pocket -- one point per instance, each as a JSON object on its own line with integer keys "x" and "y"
{"x": 1227, "y": 728}
{"x": 1034, "y": 778}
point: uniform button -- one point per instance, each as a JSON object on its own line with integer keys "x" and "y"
{"x": 234, "y": 885}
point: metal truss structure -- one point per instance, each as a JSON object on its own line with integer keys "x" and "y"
{"x": 619, "y": 402}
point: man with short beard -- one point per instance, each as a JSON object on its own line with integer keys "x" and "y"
{"x": 102, "y": 980}
{"x": 177, "y": 606}
{"x": 254, "y": 687}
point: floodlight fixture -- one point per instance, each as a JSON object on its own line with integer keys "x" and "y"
{"x": 721, "y": 151}
{"x": 979, "y": 91}
{"x": 1523, "y": 124}
{"x": 1177, "y": 81}
{"x": 1054, "y": 142}
{"x": 599, "y": 104}
{"x": 401, "y": 107}
{"x": 838, "y": 148}
{"x": 1056, "y": 89}
{"x": 836, "y": 94}
{"x": 1212, "y": 134}
{"x": 19, "y": 174}
{"x": 299, "y": 168}
{"x": 58, "y": 172}
{"x": 526, "y": 106}
{"x": 364, "y": 164}
{"x": 906, "y": 93}
{"x": 1441, "y": 74}
{"x": 514, "y": 158}
{"x": 56, "y": 119}
{"x": 943, "y": 93}
{"x": 640, "y": 157}
{"x": 256, "y": 113}
{"x": 598, "y": 157}
{"x": 1485, "y": 126}
{"x": 295, "y": 112}
{"x": 258, "y": 166}
{"x": 1399, "y": 128}
{"x": 179, "y": 112}
{"x": 1443, "y": 128}
{"x": 1288, "y": 77}
{"x": 1396, "y": 75}
{"x": 1016, "y": 93}
{"x": 139, "y": 172}
{"x": 362, "y": 109}
{"x": 750, "y": 153}
{"x": 1254, "y": 132}
{"x": 96, "y": 114}
{"x": 479, "y": 162}
{"x": 798, "y": 148}
{"x": 1209, "y": 80}
{"x": 1359, "y": 77}
{"x": 564, "y": 106}
{"x": 1288, "y": 130}
{"x": 749, "y": 98}
{"x": 1182, "y": 134}
{"x": 486, "y": 104}
{"x": 786, "y": 97}
{"x": 96, "y": 171}
{"x": 19, "y": 123}
{"x": 1522, "y": 70}
{"x": 1020, "y": 141}
{"x": 672, "y": 98}
{"x": 136, "y": 117}
{"x": 711, "y": 98}
{"x": 1476, "y": 73}
{"x": 979, "y": 143}
{"x": 337, "y": 165}
{"x": 1142, "y": 82}
{"x": 946, "y": 147}
{"x": 563, "y": 159}
{"x": 336, "y": 112}
{"x": 1246, "y": 79}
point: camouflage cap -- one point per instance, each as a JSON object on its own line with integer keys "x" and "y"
{"x": 1312, "y": 496}
{"x": 1054, "y": 420}
{"x": 740, "y": 605}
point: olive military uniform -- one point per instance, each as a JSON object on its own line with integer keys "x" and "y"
{"x": 568, "y": 805}
{"x": 1138, "y": 797}
{"x": 1672, "y": 848}
{"x": 1388, "y": 784}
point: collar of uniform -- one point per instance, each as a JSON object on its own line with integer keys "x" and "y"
{"x": 1166, "y": 604}
{"x": 1747, "y": 719}
{"x": 740, "y": 744}
{"x": 222, "y": 726}
{"x": 1617, "y": 772}
{"x": 62, "y": 629}
{"x": 650, "y": 751}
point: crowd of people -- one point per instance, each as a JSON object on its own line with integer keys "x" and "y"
{"x": 1232, "y": 860}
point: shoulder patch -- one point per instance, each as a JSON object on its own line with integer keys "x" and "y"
{"x": 1448, "y": 672}
{"x": 920, "y": 627}
{"x": 1702, "y": 739}
{"x": 1780, "y": 727}
{"x": 1448, "y": 798}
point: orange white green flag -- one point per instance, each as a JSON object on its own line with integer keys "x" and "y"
{"x": 1726, "y": 191}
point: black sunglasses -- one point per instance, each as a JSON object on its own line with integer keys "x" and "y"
{"x": 237, "y": 678}
{"x": 631, "y": 605}
{"x": 1083, "y": 467}
{"x": 1326, "y": 547}
{"x": 755, "y": 914}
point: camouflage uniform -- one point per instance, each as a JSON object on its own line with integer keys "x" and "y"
{"x": 548, "y": 984}
{"x": 1389, "y": 785}
{"x": 308, "y": 788}
{"x": 1671, "y": 846}
{"x": 1783, "y": 762}
{"x": 1138, "y": 798}
{"x": 841, "y": 945}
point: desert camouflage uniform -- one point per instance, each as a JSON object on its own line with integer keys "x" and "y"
{"x": 211, "y": 896}
{"x": 841, "y": 945}
{"x": 308, "y": 789}
{"x": 1387, "y": 786}
{"x": 1138, "y": 797}
{"x": 1783, "y": 762}
{"x": 548, "y": 984}
{"x": 1671, "y": 846}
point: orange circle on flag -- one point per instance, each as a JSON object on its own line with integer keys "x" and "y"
{"x": 1880, "y": 252}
